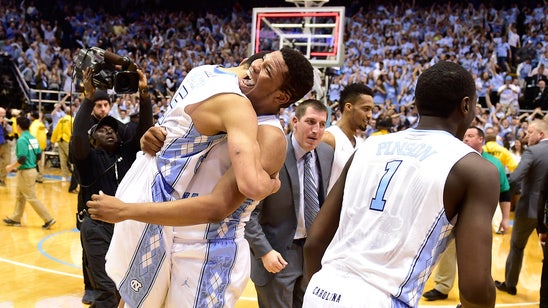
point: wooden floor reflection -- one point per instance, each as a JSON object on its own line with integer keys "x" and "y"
{"x": 41, "y": 268}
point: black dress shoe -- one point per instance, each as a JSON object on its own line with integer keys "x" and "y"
{"x": 434, "y": 295}
{"x": 503, "y": 287}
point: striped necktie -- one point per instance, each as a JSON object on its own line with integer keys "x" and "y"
{"x": 311, "y": 200}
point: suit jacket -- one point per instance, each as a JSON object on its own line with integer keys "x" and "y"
{"x": 531, "y": 173}
{"x": 543, "y": 101}
{"x": 542, "y": 207}
{"x": 273, "y": 223}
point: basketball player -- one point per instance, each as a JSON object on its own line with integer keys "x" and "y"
{"x": 388, "y": 217}
{"x": 215, "y": 256}
{"x": 356, "y": 105}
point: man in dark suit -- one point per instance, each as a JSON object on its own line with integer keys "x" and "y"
{"x": 542, "y": 230}
{"x": 541, "y": 97}
{"x": 531, "y": 173}
{"x": 276, "y": 231}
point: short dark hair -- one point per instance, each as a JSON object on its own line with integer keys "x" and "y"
{"x": 300, "y": 75}
{"x": 254, "y": 57}
{"x": 441, "y": 88}
{"x": 23, "y": 122}
{"x": 351, "y": 92}
{"x": 479, "y": 130}
{"x": 300, "y": 110}
{"x": 100, "y": 95}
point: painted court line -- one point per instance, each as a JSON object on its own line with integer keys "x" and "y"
{"x": 40, "y": 268}
{"x": 47, "y": 255}
{"x": 243, "y": 298}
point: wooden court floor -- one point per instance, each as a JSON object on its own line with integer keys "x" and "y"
{"x": 41, "y": 268}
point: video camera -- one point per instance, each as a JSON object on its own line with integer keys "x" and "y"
{"x": 105, "y": 73}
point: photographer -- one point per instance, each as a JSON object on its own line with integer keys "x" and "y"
{"x": 104, "y": 76}
{"x": 5, "y": 151}
{"x": 101, "y": 162}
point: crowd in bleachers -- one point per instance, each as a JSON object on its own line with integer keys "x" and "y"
{"x": 387, "y": 47}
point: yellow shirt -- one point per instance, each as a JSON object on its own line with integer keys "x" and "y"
{"x": 380, "y": 132}
{"x": 13, "y": 127}
{"x": 63, "y": 129}
{"x": 502, "y": 153}
{"x": 38, "y": 130}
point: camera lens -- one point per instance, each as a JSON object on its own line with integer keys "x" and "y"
{"x": 126, "y": 82}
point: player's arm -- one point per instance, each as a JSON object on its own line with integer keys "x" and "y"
{"x": 234, "y": 115}
{"x": 324, "y": 226}
{"x": 329, "y": 139}
{"x": 472, "y": 191}
{"x": 223, "y": 200}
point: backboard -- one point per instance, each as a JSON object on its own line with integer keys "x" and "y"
{"x": 316, "y": 31}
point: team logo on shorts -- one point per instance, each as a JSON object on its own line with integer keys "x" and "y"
{"x": 136, "y": 285}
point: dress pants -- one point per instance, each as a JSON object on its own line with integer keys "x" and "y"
{"x": 447, "y": 268}
{"x": 286, "y": 288}
{"x": 95, "y": 236}
{"x": 5, "y": 159}
{"x": 544, "y": 281}
{"x": 26, "y": 191}
{"x": 522, "y": 229}
{"x": 63, "y": 158}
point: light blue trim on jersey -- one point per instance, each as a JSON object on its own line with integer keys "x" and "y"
{"x": 227, "y": 228}
{"x": 215, "y": 275}
{"x": 174, "y": 160}
{"x": 396, "y": 303}
{"x": 220, "y": 257}
{"x": 433, "y": 245}
{"x": 143, "y": 270}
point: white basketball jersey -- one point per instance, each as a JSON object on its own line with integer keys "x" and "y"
{"x": 214, "y": 164}
{"x": 211, "y": 262}
{"x": 393, "y": 224}
{"x": 343, "y": 151}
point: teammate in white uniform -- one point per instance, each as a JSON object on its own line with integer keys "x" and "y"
{"x": 175, "y": 166}
{"x": 384, "y": 224}
{"x": 212, "y": 261}
{"x": 356, "y": 105}
{"x": 343, "y": 150}
{"x": 276, "y": 91}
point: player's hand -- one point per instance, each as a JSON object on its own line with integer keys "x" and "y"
{"x": 153, "y": 140}
{"x": 106, "y": 208}
{"x": 276, "y": 182}
{"x": 273, "y": 261}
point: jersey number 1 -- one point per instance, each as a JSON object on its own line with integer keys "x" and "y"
{"x": 378, "y": 202}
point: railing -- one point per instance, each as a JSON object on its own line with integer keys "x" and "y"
{"x": 20, "y": 81}
{"x": 41, "y": 97}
